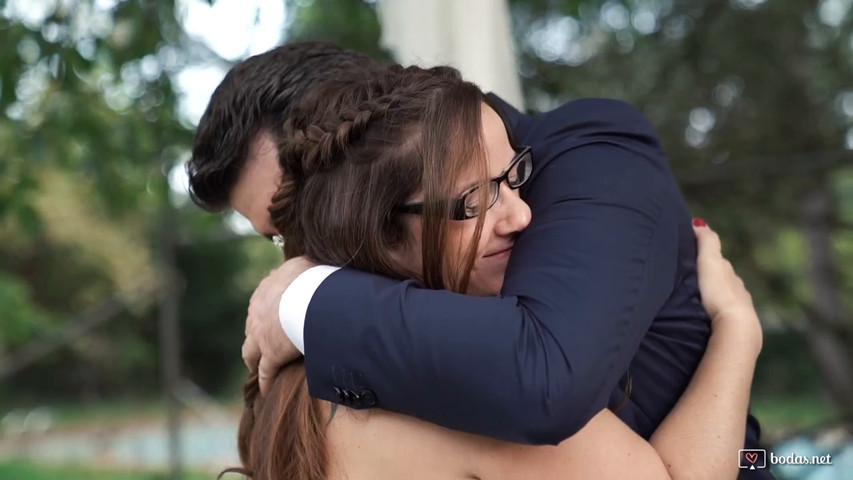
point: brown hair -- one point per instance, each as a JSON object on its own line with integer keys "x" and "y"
{"x": 357, "y": 150}
{"x": 256, "y": 95}
{"x": 352, "y": 153}
{"x": 281, "y": 435}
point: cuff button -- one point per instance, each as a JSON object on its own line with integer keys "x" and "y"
{"x": 368, "y": 398}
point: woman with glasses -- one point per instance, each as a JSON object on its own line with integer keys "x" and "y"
{"x": 411, "y": 175}
{"x": 467, "y": 205}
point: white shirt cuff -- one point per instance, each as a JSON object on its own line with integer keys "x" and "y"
{"x": 293, "y": 307}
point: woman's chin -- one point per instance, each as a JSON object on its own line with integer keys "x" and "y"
{"x": 485, "y": 287}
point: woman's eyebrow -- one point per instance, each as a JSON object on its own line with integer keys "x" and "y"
{"x": 471, "y": 185}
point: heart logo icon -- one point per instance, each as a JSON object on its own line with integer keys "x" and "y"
{"x": 751, "y": 456}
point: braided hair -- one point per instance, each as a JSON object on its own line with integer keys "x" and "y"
{"x": 356, "y": 150}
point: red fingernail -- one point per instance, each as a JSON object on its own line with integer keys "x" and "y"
{"x": 698, "y": 222}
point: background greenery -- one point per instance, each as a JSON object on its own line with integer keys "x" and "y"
{"x": 27, "y": 470}
{"x": 753, "y": 99}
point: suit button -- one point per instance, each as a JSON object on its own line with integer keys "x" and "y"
{"x": 347, "y": 396}
{"x": 339, "y": 393}
{"x": 368, "y": 398}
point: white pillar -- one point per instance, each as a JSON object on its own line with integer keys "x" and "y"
{"x": 472, "y": 35}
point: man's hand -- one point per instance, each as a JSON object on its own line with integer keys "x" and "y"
{"x": 266, "y": 347}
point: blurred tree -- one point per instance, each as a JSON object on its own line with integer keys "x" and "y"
{"x": 354, "y": 25}
{"x": 89, "y": 128}
{"x": 750, "y": 98}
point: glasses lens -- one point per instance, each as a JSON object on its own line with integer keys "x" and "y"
{"x": 521, "y": 171}
{"x": 472, "y": 199}
{"x": 472, "y": 203}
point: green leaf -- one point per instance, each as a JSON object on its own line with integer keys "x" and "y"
{"x": 29, "y": 220}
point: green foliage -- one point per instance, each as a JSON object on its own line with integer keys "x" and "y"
{"x": 784, "y": 415}
{"x": 749, "y": 101}
{"x": 88, "y": 125}
{"x": 23, "y": 318}
{"x": 97, "y": 102}
{"x": 22, "y": 469}
{"x": 353, "y": 24}
{"x": 785, "y": 367}
{"x": 213, "y": 312}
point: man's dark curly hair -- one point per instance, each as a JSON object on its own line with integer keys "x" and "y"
{"x": 259, "y": 94}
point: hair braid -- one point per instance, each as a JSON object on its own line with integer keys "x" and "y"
{"x": 317, "y": 138}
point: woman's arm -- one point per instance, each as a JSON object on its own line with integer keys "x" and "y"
{"x": 706, "y": 426}
{"x": 699, "y": 438}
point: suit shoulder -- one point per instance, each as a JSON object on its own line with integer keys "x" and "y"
{"x": 602, "y": 112}
{"x": 592, "y": 121}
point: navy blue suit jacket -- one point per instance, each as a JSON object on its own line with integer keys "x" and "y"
{"x": 601, "y": 284}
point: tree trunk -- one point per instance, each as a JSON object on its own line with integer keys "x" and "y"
{"x": 824, "y": 330}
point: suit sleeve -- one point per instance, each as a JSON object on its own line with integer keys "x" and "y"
{"x": 583, "y": 284}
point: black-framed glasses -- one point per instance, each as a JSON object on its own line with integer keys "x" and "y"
{"x": 468, "y": 204}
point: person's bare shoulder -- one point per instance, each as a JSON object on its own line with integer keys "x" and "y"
{"x": 379, "y": 444}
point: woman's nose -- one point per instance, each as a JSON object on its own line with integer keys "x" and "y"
{"x": 514, "y": 213}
